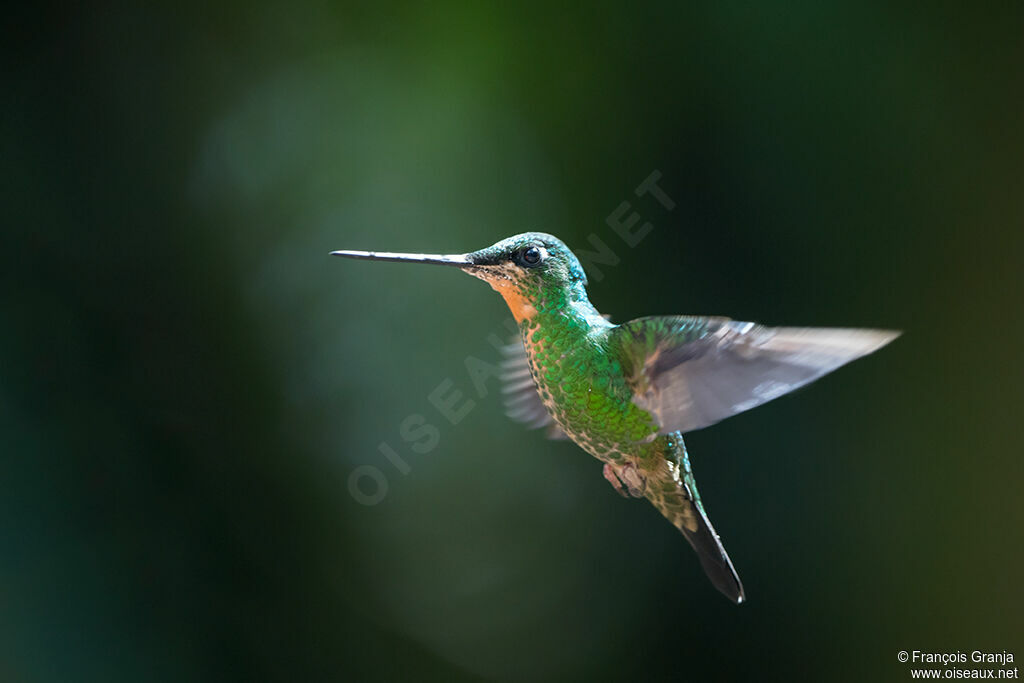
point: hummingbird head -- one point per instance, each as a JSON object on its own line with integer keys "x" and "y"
{"x": 532, "y": 271}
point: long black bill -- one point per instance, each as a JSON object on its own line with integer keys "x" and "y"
{"x": 458, "y": 260}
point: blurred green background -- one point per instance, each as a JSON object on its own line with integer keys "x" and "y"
{"x": 187, "y": 380}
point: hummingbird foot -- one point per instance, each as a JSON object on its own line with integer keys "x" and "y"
{"x": 626, "y": 478}
{"x": 613, "y": 479}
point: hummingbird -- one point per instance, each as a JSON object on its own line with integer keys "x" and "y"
{"x": 627, "y": 393}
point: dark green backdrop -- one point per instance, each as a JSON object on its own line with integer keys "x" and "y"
{"x": 187, "y": 380}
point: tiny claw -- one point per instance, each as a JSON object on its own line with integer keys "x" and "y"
{"x": 627, "y": 476}
{"x": 613, "y": 479}
{"x": 632, "y": 478}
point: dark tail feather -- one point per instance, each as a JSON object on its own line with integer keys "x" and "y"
{"x": 673, "y": 490}
{"x": 714, "y": 559}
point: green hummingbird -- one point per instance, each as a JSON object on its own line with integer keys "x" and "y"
{"x": 627, "y": 393}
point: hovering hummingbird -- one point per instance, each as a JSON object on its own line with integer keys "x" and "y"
{"x": 627, "y": 393}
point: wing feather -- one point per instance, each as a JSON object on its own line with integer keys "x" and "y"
{"x": 691, "y": 372}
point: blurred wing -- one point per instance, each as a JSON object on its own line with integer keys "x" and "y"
{"x": 522, "y": 402}
{"x": 691, "y": 372}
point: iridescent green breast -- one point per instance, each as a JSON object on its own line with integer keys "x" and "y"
{"x": 582, "y": 384}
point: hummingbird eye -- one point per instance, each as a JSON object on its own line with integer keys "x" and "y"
{"x": 530, "y": 257}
